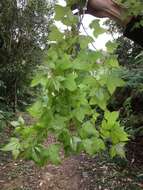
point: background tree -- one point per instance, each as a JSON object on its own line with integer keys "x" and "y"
{"x": 129, "y": 99}
{"x": 24, "y": 28}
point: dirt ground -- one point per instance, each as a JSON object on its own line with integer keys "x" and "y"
{"x": 76, "y": 173}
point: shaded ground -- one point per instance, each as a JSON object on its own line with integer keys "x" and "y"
{"x": 76, "y": 173}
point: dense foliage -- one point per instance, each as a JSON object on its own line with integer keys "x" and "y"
{"x": 76, "y": 85}
{"x": 129, "y": 99}
{"x": 24, "y": 27}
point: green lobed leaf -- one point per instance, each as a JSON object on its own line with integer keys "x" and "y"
{"x": 93, "y": 145}
{"x": 53, "y": 151}
{"x": 13, "y": 146}
{"x": 70, "y": 82}
{"x": 88, "y": 131}
{"x": 97, "y": 28}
